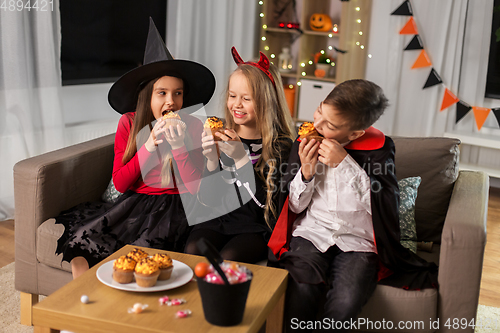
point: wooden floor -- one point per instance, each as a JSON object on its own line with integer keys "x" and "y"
{"x": 490, "y": 286}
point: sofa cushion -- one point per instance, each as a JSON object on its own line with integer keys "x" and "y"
{"x": 436, "y": 161}
{"x": 399, "y": 309}
{"x": 46, "y": 243}
{"x": 408, "y": 188}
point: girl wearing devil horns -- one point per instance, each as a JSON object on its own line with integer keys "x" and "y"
{"x": 257, "y": 139}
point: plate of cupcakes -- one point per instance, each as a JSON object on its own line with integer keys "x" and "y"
{"x": 140, "y": 272}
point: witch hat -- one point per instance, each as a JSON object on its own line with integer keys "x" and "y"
{"x": 199, "y": 82}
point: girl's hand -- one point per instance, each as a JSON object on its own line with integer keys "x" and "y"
{"x": 331, "y": 153}
{"x": 308, "y": 154}
{"x": 153, "y": 139}
{"x": 232, "y": 146}
{"x": 209, "y": 146}
{"x": 175, "y": 136}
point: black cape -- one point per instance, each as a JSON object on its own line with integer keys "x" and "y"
{"x": 399, "y": 267}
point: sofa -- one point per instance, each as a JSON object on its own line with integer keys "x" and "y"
{"x": 450, "y": 217}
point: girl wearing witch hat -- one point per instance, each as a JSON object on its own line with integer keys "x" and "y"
{"x": 153, "y": 164}
{"x": 254, "y": 145}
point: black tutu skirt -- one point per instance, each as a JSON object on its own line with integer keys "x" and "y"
{"x": 95, "y": 230}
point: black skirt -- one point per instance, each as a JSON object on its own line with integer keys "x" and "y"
{"x": 95, "y": 230}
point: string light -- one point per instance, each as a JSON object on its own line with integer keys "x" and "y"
{"x": 362, "y": 47}
{"x": 299, "y": 83}
{"x": 358, "y": 20}
{"x": 369, "y": 56}
{"x": 264, "y": 26}
{"x": 303, "y": 73}
{"x": 358, "y": 9}
{"x": 302, "y": 65}
{"x": 273, "y": 55}
{"x": 310, "y": 62}
{"x": 266, "y": 48}
{"x": 330, "y": 47}
{"x": 261, "y": 3}
{"x": 361, "y": 33}
{"x": 261, "y": 14}
{"x": 330, "y": 35}
{"x": 357, "y": 43}
{"x": 290, "y": 86}
{"x": 263, "y": 38}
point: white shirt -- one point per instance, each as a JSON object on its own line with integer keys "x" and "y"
{"x": 338, "y": 207}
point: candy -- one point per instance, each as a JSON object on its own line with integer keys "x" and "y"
{"x": 84, "y": 299}
{"x": 183, "y": 313}
{"x": 234, "y": 274}
{"x": 163, "y": 300}
{"x": 176, "y": 301}
{"x": 137, "y": 308}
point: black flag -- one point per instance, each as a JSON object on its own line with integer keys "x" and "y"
{"x": 404, "y": 9}
{"x": 415, "y": 44}
{"x": 433, "y": 79}
{"x": 462, "y": 110}
{"x": 496, "y": 112}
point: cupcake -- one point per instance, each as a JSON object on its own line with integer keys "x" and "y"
{"x": 307, "y": 131}
{"x": 165, "y": 264}
{"x": 173, "y": 119}
{"x": 146, "y": 273}
{"x": 123, "y": 269}
{"x": 137, "y": 254}
{"x": 215, "y": 125}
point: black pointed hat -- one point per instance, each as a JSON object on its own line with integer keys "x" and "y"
{"x": 199, "y": 82}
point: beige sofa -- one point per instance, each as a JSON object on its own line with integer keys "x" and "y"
{"x": 451, "y": 211}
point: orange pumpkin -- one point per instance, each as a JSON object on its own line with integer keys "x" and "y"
{"x": 320, "y": 22}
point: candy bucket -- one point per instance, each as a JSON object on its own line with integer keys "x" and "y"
{"x": 223, "y": 305}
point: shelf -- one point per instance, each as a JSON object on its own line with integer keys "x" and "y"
{"x": 283, "y": 30}
{"x": 311, "y": 77}
{"x": 321, "y": 33}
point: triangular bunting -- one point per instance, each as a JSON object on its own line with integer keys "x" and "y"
{"x": 448, "y": 99}
{"x": 410, "y": 28}
{"x": 422, "y": 60}
{"x": 415, "y": 44}
{"x": 496, "y": 112}
{"x": 404, "y": 9}
{"x": 433, "y": 79}
{"x": 462, "y": 110}
{"x": 480, "y": 114}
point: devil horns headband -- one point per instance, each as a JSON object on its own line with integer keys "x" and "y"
{"x": 263, "y": 63}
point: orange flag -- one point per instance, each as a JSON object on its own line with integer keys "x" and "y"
{"x": 410, "y": 28}
{"x": 480, "y": 114}
{"x": 422, "y": 60}
{"x": 448, "y": 99}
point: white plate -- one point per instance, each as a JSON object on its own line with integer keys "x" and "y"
{"x": 181, "y": 275}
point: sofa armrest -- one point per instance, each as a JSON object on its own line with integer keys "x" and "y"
{"x": 462, "y": 249}
{"x": 47, "y": 184}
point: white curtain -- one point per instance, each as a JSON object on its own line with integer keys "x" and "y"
{"x": 413, "y": 111}
{"x": 205, "y": 30}
{"x": 31, "y": 119}
{"x": 456, "y": 37}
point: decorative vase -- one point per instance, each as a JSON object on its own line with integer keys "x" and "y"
{"x": 322, "y": 70}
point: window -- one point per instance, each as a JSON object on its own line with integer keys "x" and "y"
{"x": 102, "y": 40}
{"x": 493, "y": 76}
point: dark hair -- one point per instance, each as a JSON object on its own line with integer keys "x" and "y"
{"x": 361, "y": 102}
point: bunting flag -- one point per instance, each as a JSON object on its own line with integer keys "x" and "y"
{"x": 448, "y": 99}
{"x": 433, "y": 79}
{"x": 422, "y": 61}
{"x": 462, "y": 110}
{"x": 480, "y": 114}
{"x": 410, "y": 28}
{"x": 404, "y": 9}
{"x": 496, "y": 112}
{"x": 415, "y": 44}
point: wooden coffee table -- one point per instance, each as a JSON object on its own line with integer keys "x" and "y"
{"x": 107, "y": 310}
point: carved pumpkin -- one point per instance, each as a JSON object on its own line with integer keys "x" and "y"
{"x": 320, "y": 22}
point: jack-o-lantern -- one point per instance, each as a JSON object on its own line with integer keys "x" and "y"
{"x": 320, "y": 22}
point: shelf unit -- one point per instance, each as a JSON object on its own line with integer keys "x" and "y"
{"x": 351, "y": 17}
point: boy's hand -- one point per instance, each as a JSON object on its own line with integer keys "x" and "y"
{"x": 308, "y": 153}
{"x": 331, "y": 153}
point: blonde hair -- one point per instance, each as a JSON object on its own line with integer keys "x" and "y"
{"x": 274, "y": 123}
{"x": 144, "y": 117}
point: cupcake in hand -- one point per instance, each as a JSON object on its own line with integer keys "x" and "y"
{"x": 173, "y": 119}
{"x": 213, "y": 125}
{"x": 123, "y": 269}
{"x": 146, "y": 273}
{"x": 307, "y": 131}
{"x": 166, "y": 265}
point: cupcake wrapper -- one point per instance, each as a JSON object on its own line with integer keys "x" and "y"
{"x": 165, "y": 273}
{"x": 123, "y": 276}
{"x": 146, "y": 281}
{"x": 175, "y": 122}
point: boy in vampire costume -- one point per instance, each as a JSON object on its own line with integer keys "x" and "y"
{"x": 338, "y": 231}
